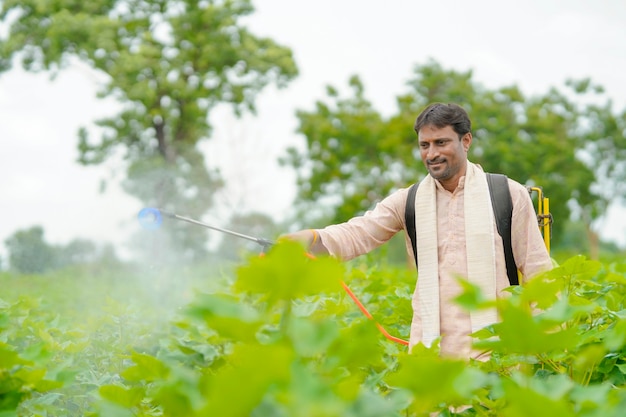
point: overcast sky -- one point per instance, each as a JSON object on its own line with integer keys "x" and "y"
{"x": 535, "y": 44}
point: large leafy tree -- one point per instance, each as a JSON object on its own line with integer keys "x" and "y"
{"x": 343, "y": 168}
{"x": 574, "y": 150}
{"x": 169, "y": 63}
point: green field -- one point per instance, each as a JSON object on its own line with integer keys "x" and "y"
{"x": 277, "y": 336}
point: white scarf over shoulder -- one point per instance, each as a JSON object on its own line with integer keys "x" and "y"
{"x": 479, "y": 240}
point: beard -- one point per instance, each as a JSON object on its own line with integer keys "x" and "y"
{"x": 441, "y": 171}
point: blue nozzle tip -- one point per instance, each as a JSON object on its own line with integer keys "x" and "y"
{"x": 150, "y": 218}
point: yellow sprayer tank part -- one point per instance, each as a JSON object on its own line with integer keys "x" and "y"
{"x": 544, "y": 218}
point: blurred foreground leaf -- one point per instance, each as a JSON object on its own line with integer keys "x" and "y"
{"x": 286, "y": 273}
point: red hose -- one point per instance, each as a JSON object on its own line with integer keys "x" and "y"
{"x": 369, "y": 316}
{"x": 367, "y": 313}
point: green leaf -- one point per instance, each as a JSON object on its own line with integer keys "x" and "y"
{"x": 9, "y": 358}
{"x": 311, "y": 338}
{"x": 593, "y": 398}
{"x": 146, "y": 368}
{"x": 563, "y": 310}
{"x": 110, "y": 409}
{"x": 552, "y": 386}
{"x": 543, "y": 290}
{"x": 434, "y": 380}
{"x": 228, "y": 316}
{"x": 615, "y": 337}
{"x": 519, "y": 332}
{"x": 622, "y": 367}
{"x": 587, "y": 357}
{"x": 359, "y": 345}
{"x": 310, "y": 394}
{"x": 577, "y": 266}
{"x": 285, "y": 274}
{"x": 472, "y": 297}
{"x": 525, "y": 401}
{"x": 30, "y": 376}
{"x": 126, "y": 397}
{"x": 37, "y": 353}
{"x": 236, "y": 389}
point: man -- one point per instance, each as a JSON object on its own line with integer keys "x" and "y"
{"x": 455, "y": 231}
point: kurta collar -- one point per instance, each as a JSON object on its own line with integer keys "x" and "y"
{"x": 460, "y": 186}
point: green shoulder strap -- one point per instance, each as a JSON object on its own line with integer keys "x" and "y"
{"x": 503, "y": 211}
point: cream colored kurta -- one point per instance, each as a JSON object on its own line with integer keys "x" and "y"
{"x": 363, "y": 234}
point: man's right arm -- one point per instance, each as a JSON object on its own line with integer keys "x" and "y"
{"x": 362, "y": 234}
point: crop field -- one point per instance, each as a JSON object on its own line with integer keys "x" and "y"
{"x": 278, "y": 336}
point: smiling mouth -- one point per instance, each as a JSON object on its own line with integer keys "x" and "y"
{"x": 435, "y": 163}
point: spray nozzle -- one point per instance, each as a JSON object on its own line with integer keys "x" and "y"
{"x": 150, "y": 218}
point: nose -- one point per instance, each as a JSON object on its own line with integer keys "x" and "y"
{"x": 431, "y": 153}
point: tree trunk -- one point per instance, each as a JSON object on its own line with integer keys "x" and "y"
{"x": 594, "y": 243}
{"x": 166, "y": 151}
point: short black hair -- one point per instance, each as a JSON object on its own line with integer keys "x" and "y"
{"x": 441, "y": 115}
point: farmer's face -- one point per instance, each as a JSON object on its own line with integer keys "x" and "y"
{"x": 444, "y": 154}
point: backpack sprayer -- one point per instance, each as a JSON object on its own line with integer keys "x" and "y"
{"x": 152, "y": 218}
{"x": 544, "y": 217}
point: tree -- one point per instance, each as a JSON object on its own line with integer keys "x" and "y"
{"x": 28, "y": 252}
{"x": 344, "y": 157}
{"x": 77, "y": 252}
{"x": 169, "y": 63}
{"x": 602, "y": 149}
{"x": 354, "y": 156}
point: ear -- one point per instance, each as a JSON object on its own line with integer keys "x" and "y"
{"x": 467, "y": 141}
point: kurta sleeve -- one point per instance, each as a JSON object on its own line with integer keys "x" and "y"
{"x": 365, "y": 233}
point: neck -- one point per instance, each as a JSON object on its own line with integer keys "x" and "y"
{"x": 452, "y": 183}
